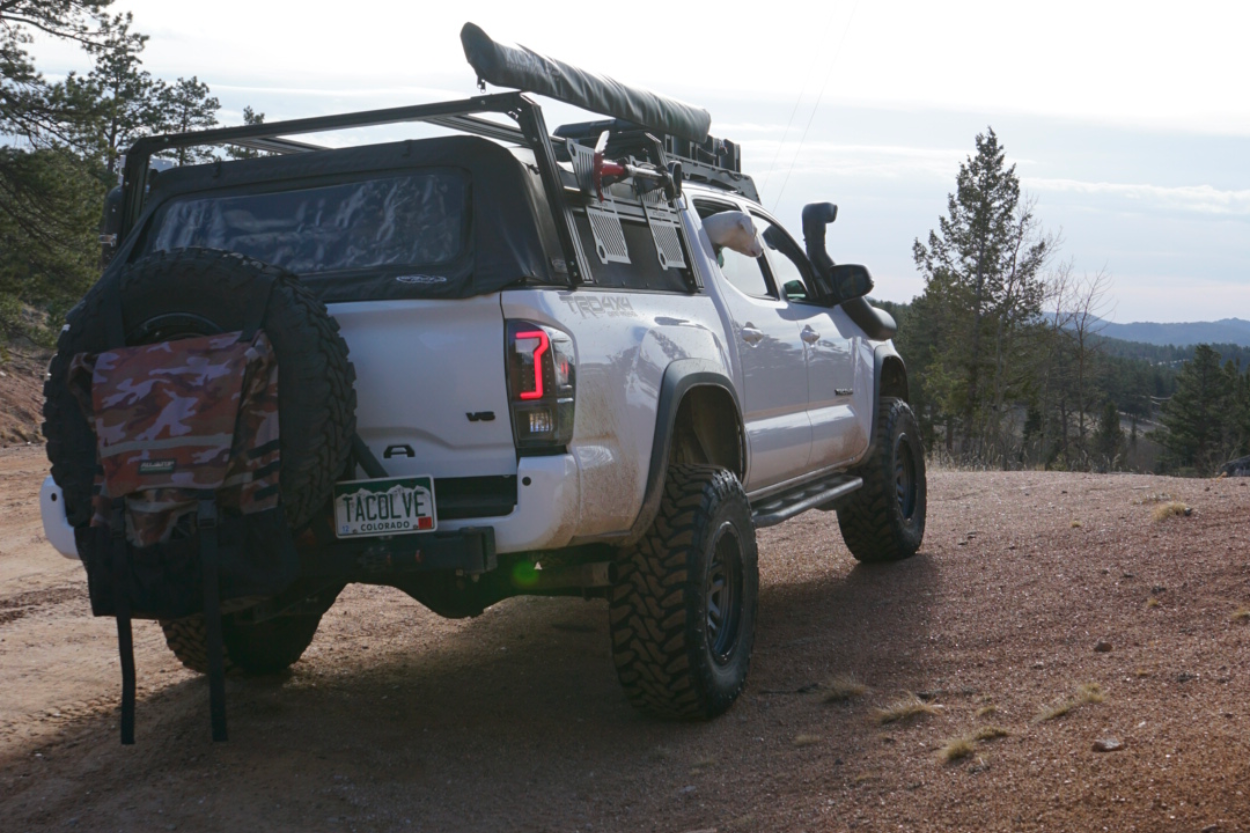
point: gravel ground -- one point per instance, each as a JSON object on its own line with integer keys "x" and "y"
{"x": 1029, "y": 587}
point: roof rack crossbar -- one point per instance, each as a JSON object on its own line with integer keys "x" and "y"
{"x": 499, "y": 103}
{"x": 480, "y": 127}
{"x": 278, "y": 145}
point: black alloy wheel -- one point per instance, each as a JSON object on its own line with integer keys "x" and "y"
{"x": 905, "y": 476}
{"x": 724, "y": 589}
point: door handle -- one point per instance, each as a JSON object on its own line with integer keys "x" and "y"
{"x": 809, "y": 335}
{"x": 751, "y": 335}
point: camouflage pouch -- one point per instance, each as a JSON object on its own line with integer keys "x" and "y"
{"x": 176, "y": 419}
{"x": 176, "y": 422}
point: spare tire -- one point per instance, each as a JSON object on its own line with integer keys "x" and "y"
{"x": 190, "y": 292}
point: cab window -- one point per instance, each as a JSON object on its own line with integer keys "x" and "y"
{"x": 746, "y": 274}
{"x": 781, "y": 251}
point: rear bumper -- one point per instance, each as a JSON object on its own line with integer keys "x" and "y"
{"x": 547, "y": 509}
{"x": 56, "y": 526}
{"x": 545, "y": 517}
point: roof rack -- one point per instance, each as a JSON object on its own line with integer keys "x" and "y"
{"x": 713, "y": 161}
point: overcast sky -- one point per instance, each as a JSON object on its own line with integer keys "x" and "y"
{"x": 1128, "y": 122}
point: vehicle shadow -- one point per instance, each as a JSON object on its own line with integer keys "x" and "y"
{"x": 513, "y": 720}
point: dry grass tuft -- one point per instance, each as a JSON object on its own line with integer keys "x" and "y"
{"x": 957, "y": 748}
{"x": 1090, "y": 693}
{"x": 1054, "y": 710}
{"x": 987, "y": 710}
{"x": 1085, "y": 694}
{"x": 1152, "y": 602}
{"x": 990, "y": 733}
{"x": 904, "y": 709}
{"x": 1171, "y": 509}
{"x": 806, "y": 740}
{"x": 703, "y": 765}
{"x": 1241, "y": 614}
{"x": 844, "y": 687}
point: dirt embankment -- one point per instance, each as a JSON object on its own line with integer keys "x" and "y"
{"x": 22, "y": 370}
{"x": 397, "y": 720}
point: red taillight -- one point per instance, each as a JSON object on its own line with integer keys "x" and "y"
{"x": 541, "y": 385}
{"x": 533, "y": 390}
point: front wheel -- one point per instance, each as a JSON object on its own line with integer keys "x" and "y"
{"x": 684, "y": 599}
{"x": 885, "y": 519}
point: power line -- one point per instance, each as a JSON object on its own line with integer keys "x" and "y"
{"x": 772, "y": 166}
{"x": 837, "y": 53}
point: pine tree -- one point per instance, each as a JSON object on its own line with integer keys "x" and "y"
{"x": 186, "y": 105}
{"x": 983, "y": 293}
{"x": 250, "y": 117}
{"x": 1199, "y": 415}
{"x": 49, "y": 199}
{"x": 128, "y": 99}
{"x": 1109, "y": 438}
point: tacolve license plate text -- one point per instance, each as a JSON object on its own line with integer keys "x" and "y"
{"x": 391, "y": 506}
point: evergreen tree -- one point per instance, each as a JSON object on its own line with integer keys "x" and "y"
{"x": 25, "y": 111}
{"x": 1198, "y": 416}
{"x": 49, "y": 199}
{"x": 982, "y": 296}
{"x": 127, "y": 98}
{"x": 186, "y": 105}
{"x": 1109, "y": 438}
{"x": 250, "y": 117}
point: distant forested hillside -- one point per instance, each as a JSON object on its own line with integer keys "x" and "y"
{"x": 1171, "y": 354}
{"x": 1225, "y": 331}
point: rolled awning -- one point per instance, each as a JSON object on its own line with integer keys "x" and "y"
{"x": 524, "y": 69}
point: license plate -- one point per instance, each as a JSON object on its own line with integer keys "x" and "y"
{"x": 389, "y": 506}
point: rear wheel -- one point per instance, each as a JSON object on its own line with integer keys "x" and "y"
{"x": 266, "y": 648}
{"x": 885, "y": 519}
{"x": 683, "y": 603}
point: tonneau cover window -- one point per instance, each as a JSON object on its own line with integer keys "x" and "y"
{"x": 411, "y": 220}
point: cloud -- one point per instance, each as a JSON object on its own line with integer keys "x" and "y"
{"x": 1201, "y": 199}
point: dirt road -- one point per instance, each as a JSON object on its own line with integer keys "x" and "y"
{"x": 397, "y": 720}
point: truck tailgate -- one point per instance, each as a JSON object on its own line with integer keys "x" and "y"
{"x": 432, "y": 397}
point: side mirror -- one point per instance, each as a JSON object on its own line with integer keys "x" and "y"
{"x": 850, "y": 281}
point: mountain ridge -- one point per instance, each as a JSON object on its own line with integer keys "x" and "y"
{"x": 1181, "y": 334}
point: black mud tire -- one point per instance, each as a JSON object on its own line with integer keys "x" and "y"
{"x": 674, "y": 656}
{"x": 269, "y": 647}
{"x": 203, "y": 291}
{"x": 188, "y": 639}
{"x": 884, "y": 521}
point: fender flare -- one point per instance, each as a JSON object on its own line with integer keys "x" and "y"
{"x": 680, "y": 377}
{"x": 880, "y": 355}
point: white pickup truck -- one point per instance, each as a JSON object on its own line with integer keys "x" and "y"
{"x": 571, "y": 375}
